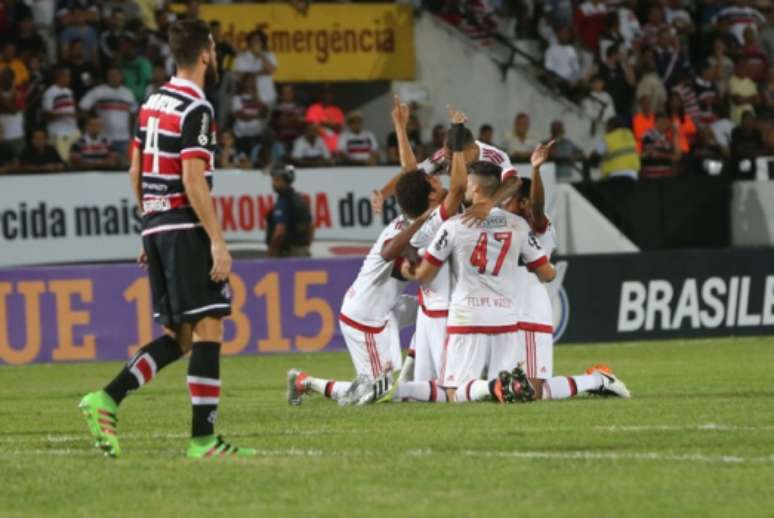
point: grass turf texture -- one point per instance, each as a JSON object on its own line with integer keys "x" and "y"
{"x": 696, "y": 439}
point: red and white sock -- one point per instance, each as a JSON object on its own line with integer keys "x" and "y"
{"x": 143, "y": 369}
{"x": 329, "y": 388}
{"x": 427, "y": 391}
{"x": 474, "y": 390}
{"x": 564, "y": 387}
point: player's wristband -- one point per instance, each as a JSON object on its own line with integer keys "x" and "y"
{"x": 457, "y": 137}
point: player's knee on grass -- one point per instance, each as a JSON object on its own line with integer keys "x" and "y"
{"x": 537, "y": 384}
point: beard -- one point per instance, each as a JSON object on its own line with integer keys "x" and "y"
{"x": 211, "y": 76}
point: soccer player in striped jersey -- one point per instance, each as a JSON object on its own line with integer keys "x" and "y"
{"x": 183, "y": 247}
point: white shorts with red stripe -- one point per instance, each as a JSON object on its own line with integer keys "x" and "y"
{"x": 373, "y": 350}
{"x": 536, "y": 350}
{"x": 429, "y": 339}
{"x": 468, "y": 355}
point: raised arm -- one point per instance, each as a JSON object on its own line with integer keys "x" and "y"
{"x": 408, "y": 162}
{"x": 459, "y": 169}
{"x": 479, "y": 211}
{"x": 537, "y": 192}
{"x": 396, "y": 247}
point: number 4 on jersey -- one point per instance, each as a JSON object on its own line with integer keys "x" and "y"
{"x": 479, "y": 256}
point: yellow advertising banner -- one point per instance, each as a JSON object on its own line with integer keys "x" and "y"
{"x": 327, "y": 42}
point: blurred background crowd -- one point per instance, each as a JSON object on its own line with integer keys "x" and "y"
{"x": 670, "y": 87}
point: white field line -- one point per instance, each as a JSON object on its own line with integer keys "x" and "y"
{"x": 644, "y": 456}
{"x": 704, "y": 427}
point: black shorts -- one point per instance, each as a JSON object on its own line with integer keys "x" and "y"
{"x": 179, "y": 264}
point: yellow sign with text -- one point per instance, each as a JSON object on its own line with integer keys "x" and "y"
{"x": 327, "y": 42}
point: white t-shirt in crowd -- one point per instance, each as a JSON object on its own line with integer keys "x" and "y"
{"x": 115, "y": 107}
{"x": 251, "y": 107}
{"x": 302, "y": 149}
{"x": 248, "y": 63}
{"x": 12, "y": 124}
{"x": 60, "y": 101}
{"x": 563, "y": 60}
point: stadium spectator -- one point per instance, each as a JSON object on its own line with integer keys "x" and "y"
{"x": 486, "y": 134}
{"x": 654, "y": 26}
{"x": 519, "y": 143}
{"x": 737, "y": 17}
{"x": 110, "y": 40}
{"x": 39, "y": 156}
{"x": 9, "y": 60}
{"x": 268, "y": 152}
{"x": 259, "y": 61}
{"x": 619, "y": 79}
{"x": 766, "y": 35}
{"x": 80, "y": 29}
{"x": 724, "y": 66}
{"x": 15, "y": 10}
{"x": 707, "y": 94}
{"x": 437, "y": 140}
{"x": 250, "y": 114}
{"x": 611, "y": 36}
{"x": 643, "y": 121}
{"x": 414, "y": 131}
{"x": 617, "y": 151}
{"x": 722, "y": 127}
{"x": 598, "y": 105}
{"x": 227, "y": 155}
{"x": 707, "y": 155}
{"x": 158, "y": 78}
{"x": 309, "y": 150}
{"x": 65, "y": 8}
{"x": 685, "y": 90}
{"x": 288, "y": 116}
{"x": 660, "y": 149}
{"x": 590, "y": 21}
{"x": 28, "y": 39}
{"x": 59, "y": 112}
{"x": 115, "y": 106}
{"x": 681, "y": 121}
{"x": 136, "y": 69}
{"x": 743, "y": 91}
{"x": 12, "y": 106}
{"x": 93, "y": 150}
{"x": 562, "y": 59}
{"x": 650, "y": 83}
{"x": 767, "y": 95}
{"x": 7, "y": 156}
{"x": 564, "y": 153}
{"x": 679, "y": 18}
{"x": 628, "y": 24}
{"x": 289, "y": 228}
{"x": 669, "y": 58}
{"x": 757, "y": 60}
{"x": 223, "y": 48}
{"x": 327, "y": 116}
{"x": 357, "y": 146}
{"x": 84, "y": 74}
{"x": 746, "y": 146}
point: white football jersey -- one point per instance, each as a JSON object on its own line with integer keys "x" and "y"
{"x": 375, "y": 291}
{"x": 537, "y": 313}
{"x": 437, "y": 164}
{"x": 488, "y": 288}
{"x": 433, "y": 296}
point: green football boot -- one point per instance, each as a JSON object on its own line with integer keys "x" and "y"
{"x": 214, "y": 446}
{"x": 100, "y": 412}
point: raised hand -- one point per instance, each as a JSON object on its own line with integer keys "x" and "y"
{"x": 377, "y": 201}
{"x": 541, "y": 153}
{"x": 400, "y": 113}
{"x": 456, "y": 116}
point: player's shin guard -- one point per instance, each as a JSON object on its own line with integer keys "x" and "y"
{"x": 427, "y": 391}
{"x": 143, "y": 367}
{"x": 475, "y": 390}
{"x": 204, "y": 387}
{"x": 332, "y": 389}
{"x": 564, "y": 387}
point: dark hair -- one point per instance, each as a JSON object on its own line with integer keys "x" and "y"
{"x": 488, "y": 175}
{"x": 661, "y": 114}
{"x": 412, "y": 191}
{"x": 485, "y": 127}
{"x": 525, "y": 187}
{"x": 260, "y": 34}
{"x": 187, "y": 40}
{"x": 469, "y": 139}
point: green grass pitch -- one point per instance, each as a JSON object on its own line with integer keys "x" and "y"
{"x": 697, "y": 439}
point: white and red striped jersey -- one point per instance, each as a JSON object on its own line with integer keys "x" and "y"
{"x": 368, "y": 302}
{"x": 114, "y": 106}
{"x": 434, "y": 295}
{"x": 437, "y": 163}
{"x": 488, "y": 290}
{"x": 357, "y": 146}
{"x": 60, "y": 101}
{"x": 176, "y": 123}
{"x": 537, "y": 313}
{"x": 251, "y": 107}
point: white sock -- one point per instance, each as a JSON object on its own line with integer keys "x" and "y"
{"x": 476, "y": 390}
{"x": 407, "y": 372}
{"x": 563, "y": 387}
{"x": 329, "y": 388}
{"x": 427, "y": 391}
